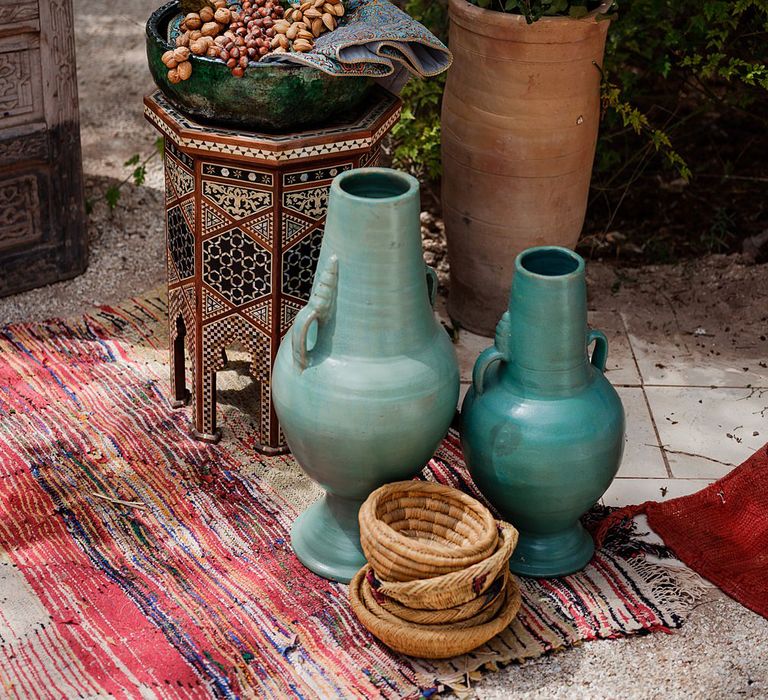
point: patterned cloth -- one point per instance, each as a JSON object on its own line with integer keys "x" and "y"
{"x": 376, "y": 39}
{"x": 138, "y": 562}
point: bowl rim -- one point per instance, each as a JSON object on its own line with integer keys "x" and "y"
{"x": 172, "y": 8}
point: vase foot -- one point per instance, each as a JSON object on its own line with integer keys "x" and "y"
{"x": 554, "y": 554}
{"x": 326, "y": 538}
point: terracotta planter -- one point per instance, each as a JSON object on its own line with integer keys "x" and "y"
{"x": 519, "y": 126}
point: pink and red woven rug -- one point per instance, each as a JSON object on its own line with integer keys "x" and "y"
{"x": 137, "y": 562}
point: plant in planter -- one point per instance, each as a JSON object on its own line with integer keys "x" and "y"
{"x": 519, "y": 126}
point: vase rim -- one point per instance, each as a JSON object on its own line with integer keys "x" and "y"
{"x": 553, "y": 263}
{"x": 375, "y": 185}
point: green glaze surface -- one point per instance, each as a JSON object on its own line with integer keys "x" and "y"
{"x": 269, "y": 96}
{"x": 365, "y": 383}
{"x": 542, "y": 428}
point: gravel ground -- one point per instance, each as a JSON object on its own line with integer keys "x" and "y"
{"x": 721, "y": 652}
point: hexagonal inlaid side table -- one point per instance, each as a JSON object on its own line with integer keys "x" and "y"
{"x": 244, "y": 221}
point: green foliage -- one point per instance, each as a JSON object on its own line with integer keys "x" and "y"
{"x": 668, "y": 63}
{"x": 534, "y": 10}
{"x": 138, "y": 173}
{"x": 417, "y": 134}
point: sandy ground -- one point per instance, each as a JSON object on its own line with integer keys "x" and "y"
{"x": 722, "y": 651}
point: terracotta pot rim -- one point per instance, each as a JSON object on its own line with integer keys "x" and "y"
{"x": 475, "y": 19}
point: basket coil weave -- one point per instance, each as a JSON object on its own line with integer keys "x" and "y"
{"x": 437, "y": 583}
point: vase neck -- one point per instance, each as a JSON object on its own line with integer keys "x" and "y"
{"x": 382, "y": 302}
{"x": 547, "y": 323}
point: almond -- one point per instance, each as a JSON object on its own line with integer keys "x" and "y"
{"x": 317, "y": 27}
{"x": 313, "y": 13}
{"x": 329, "y": 21}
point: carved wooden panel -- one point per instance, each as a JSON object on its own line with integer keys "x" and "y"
{"x": 43, "y": 237}
{"x": 21, "y": 98}
{"x": 19, "y": 211}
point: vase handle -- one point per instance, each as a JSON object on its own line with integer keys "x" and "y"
{"x": 488, "y": 357}
{"x": 600, "y": 353}
{"x": 318, "y": 309}
{"x": 432, "y": 284}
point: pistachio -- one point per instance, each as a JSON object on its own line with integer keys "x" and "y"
{"x": 302, "y": 45}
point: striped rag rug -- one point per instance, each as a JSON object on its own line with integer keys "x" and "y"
{"x": 136, "y": 562}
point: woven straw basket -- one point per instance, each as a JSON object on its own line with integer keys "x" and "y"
{"x": 457, "y": 587}
{"x": 430, "y": 641}
{"x": 412, "y": 530}
{"x": 437, "y": 583}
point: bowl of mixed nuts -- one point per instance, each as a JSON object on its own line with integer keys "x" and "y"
{"x": 208, "y": 63}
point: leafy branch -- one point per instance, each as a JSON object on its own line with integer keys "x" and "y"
{"x": 137, "y": 175}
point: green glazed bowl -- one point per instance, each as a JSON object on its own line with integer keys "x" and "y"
{"x": 270, "y": 96}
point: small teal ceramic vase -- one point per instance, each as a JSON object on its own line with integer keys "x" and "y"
{"x": 542, "y": 428}
{"x": 365, "y": 383}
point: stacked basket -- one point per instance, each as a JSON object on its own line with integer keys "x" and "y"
{"x": 437, "y": 582}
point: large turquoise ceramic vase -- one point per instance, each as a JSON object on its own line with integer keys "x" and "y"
{"x": 542, "y": 428}
{"x": 366, "y": 382}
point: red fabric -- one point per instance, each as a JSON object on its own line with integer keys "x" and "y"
{"x": 721, "y": 532}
